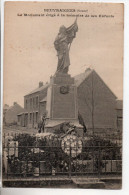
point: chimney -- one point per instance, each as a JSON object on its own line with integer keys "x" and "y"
{"x": 14, "y": 103}
{"x": 88, "y": 69}
{"x": 40, "y": 84}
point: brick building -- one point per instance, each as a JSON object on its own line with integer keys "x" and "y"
{"x": 34, "y": 106}
{"x": 96, "y": 103}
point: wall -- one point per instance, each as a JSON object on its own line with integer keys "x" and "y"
{"x": 95, "y": 99}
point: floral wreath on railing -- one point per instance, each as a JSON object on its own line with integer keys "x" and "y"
{"x": 71, "y": 144}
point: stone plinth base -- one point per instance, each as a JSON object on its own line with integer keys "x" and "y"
{"x": 62, "y": 103}
{"x": 53, "y": 125}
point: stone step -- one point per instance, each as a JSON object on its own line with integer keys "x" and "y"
{"x": 89, "y": 183}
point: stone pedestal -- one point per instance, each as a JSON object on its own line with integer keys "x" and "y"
{"x": 62, "y": 102}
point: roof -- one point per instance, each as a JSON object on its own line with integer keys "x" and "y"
{"x": 24, "y": 111}
{"x": 16, "y": 106}
{"x": 119, "y": 104}
{"x": 44, "y": 99}
{"x": 38, "y": 89}
{"x": 6, "y": 107}
{"x": 20, "y": 113}
{"x": 81, "y": 77}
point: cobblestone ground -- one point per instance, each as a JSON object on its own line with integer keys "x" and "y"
{"x": 108, "y": 185}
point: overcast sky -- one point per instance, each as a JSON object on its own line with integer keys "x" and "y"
{"x": 30, "y": 56}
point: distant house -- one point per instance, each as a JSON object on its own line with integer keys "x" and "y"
{"x": 96, "y": 102}
{"x": 11, "y": 114}
{"x": 5, "y": 108}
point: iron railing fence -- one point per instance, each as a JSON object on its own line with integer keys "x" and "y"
{"x": 29, "y": 155}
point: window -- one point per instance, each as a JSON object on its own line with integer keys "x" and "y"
{"x": 33, "y": 117}
{"x": 30, "y": 102}
{"x": 30, "y": 117}
{"x": 26, "y": 104}
{"x": 36, "y": 102}
{"x": 18, "y": 118}
{"x": 36, "y": 117}
{"x": 33, "y": 102}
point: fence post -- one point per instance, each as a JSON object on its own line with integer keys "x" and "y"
{"x": 99, "y": 166}
{"x": 70, "y": 163}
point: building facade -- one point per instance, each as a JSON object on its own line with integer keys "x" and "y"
{"x": 34, "y": 106}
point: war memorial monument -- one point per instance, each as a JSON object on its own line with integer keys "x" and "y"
{"x": 62, "y": 103}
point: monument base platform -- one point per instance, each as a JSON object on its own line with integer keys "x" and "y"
{"x": 53, "y": 125}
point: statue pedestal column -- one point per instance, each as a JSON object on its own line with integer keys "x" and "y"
{"x": 62, "y": 103}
